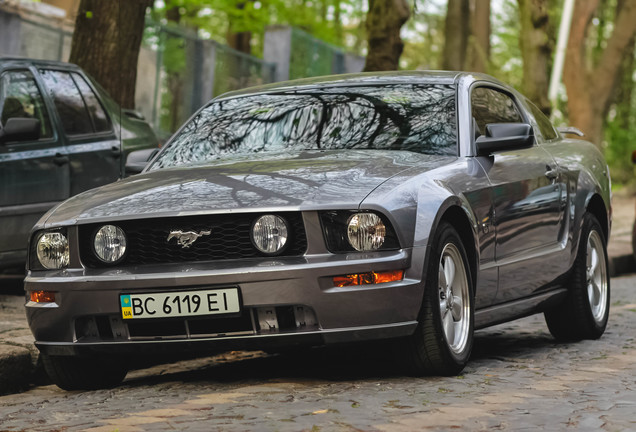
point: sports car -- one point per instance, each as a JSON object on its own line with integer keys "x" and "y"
{"x": 411, "y": 207}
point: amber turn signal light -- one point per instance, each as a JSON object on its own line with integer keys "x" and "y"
{"x": 368, "y": 278}
{"x": 42, "y": 296}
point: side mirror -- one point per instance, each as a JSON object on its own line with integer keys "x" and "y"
{"x": 20, "y": 129}
{"x": 138, "y": 160}
{"x": 504, "y": 136}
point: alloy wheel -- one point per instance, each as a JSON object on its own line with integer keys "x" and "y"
{"x": 454, "y": 300}
{"x": 596, "y": 276}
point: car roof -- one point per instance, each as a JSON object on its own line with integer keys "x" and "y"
{"x": 16, "y": 61}
{"x": 366, "y": 78}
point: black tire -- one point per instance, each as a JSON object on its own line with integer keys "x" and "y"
{"x": 584, "y": 313}
{"x": 428, "y": 350}
{"x": 85, "y": 373}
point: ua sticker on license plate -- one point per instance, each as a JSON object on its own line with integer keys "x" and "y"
{"x": 179, "y": 304}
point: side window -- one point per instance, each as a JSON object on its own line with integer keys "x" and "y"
{"x": 492, "y": 106}
{"x": 95, "y": 109}
{"x": 20, "y": 97}
{"x": 545, "y": 125}
{"x": 68, "y": 101}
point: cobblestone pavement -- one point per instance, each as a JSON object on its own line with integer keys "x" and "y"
{"x": 518, "y": 379}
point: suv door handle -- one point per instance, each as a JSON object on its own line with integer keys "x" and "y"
{"x": 60, "y": 159}
{"x": 116, "y": 151}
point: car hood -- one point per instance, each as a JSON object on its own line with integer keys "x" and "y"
{"x": 282, "y": 182}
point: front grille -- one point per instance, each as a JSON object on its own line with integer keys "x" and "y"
{"x": 250, "y": 321}
{"x": 229, "y": 239}
{"x": 191, "y": 328}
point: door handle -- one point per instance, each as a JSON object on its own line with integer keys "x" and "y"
{"x": 116, "y": 151}
{"x": 552, "y": 174}
{"x": 60, "y": 159}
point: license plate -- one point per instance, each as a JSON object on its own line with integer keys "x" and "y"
{"x": 180, "y": 304}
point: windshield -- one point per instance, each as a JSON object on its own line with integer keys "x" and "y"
{"x": 418, "y": 118}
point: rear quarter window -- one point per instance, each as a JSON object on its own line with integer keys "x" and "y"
{"x": 101, "y": 123}
{"x": 68, "y": 102}
{"x": 545, "y": 125}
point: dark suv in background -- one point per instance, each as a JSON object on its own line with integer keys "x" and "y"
{"x": 60, "y": 134}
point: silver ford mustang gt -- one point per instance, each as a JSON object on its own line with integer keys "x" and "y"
{"x": 415, "y": 206}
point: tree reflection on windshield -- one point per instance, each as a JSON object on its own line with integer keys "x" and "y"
{"x": 418, "y": 118}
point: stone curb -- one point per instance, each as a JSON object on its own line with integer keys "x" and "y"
{"x": 17, "y": 368}
{"x": 620, "y": 265}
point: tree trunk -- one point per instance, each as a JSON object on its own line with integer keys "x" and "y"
{"x": 625, "y": 83}
{"x": 590, "y": 88}
{"x": 478, "y": 54}
{"x": 456, "y": 33}
{"x": 337, "y": 17}
{"x": 536, "y": 51}
{"x": 174, "y": 78}
{"x": 384, "y": 21}
{"x": 240, "y": 40}
{"x": 106, "y": 44}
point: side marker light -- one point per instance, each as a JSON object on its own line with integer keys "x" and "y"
{"x": 42, "y": 296}
{"x": 368, "y": 278}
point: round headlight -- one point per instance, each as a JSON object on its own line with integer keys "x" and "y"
{"x": 52, "y": 250}
{"x": 269, "y": 234}
{"x": 110, "y": 243}
{"x": 366, "y": 231}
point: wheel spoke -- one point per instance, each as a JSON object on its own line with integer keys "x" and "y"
{"x": 593, "y": 258}
{"x": 449, "y": 328}
{"x": 441, "y": 282}
{"x": 449, "y": 271}
{"x": 593, "y": 292}
{"x": 442, "y": 278}
{"x": 458, "y": 306}
{"x": 442, "y": 306}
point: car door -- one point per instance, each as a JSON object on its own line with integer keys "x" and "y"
{"x": 93, "y": 148}
{"x": 526, "y": 201}
{"x": 34, "y": 174}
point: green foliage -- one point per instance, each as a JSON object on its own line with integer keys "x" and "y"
{"x": 337, "y": 22}
{"x": 424, "y": 37}
{"x": 618, "y": 154}
{"x": 505, "y": 59}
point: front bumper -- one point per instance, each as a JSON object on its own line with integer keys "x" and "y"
{"x": 86, "y": 316}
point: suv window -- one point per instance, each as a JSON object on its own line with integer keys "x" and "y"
{"x": 545, "y": 125}
{"x": 68, "y": 101}
{"x": 20, "y": 97}
{"x": 100, "y": 120}
{"x": 492, "y": 106}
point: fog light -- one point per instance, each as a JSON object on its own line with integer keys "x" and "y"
{"x": 110, "y": 244}
{"x": 269, "y": 234}
{"x": 368, "y": 278}
{"x": 42, "y": 297}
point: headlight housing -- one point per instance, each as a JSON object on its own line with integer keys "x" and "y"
{"x": 364, "y": 231}
{"x": 270, "y": 234}
{"x": 50, "y": 250}
{"x": 109, "y": 244}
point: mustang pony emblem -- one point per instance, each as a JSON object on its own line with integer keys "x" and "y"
{"x": 185, "y": 239}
